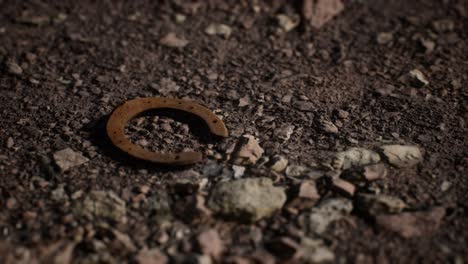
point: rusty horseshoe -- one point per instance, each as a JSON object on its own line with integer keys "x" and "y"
{"x": 129, "y": 109}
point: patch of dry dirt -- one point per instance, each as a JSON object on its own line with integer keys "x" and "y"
{"x": 305, "y": 94}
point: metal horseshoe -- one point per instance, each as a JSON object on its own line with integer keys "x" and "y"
{"x": 129, "y": 109}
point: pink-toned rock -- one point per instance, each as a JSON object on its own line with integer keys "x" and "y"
{"x": 67, "y": 159}
{"x": 344, "y": 187}
{"x": 415, "y": 224}
{"x": 60, "y": 252}
{"x": 374, "y": 172}
{"x": 307, "y": 196}
{"x": 248, "y": 151}
{"x": 319, "y": 12}
{"x": 151, "y": 256}
{"x": 173, "y": 41}
{"x": 210, "y": 243}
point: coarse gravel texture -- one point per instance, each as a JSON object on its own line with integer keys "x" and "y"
{"x": 65, "y": 65}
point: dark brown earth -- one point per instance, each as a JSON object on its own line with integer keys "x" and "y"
{"x": 80, "y": 59}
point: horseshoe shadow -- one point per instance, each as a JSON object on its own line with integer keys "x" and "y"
{"x": 196, "y": 124}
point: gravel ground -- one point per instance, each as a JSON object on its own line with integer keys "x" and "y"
{"x": 347, "y": 137}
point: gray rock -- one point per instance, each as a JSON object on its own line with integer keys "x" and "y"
{"x": 166, "y": 86}
{"x": 328, "y": 126}
{"x": 159, "y": 205}
{"x": 343, "y": 114}
{"x": 296, "y": 170}
{"x": 102, "y": 205}
{"x": 443, "y": 25}
{"x": 354, "y": 157}
{"x": 247, "y": 199}
{"x": 304, "y": 106}
{"x": 402, "y": 156}
{"x": 319, "y": 218}
{"x": 284, "y": 132}
{"x": 314, "y": 251}
{"x": 376, "y": 204}
{"x": 67, "y": 159}
{"x": 212, "y": 169}
{"x": 59, "y": 193}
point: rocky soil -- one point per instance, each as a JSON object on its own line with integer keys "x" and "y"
{"x": 347, "y": 123}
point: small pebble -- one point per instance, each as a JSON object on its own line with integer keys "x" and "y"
{"x": 328, "y": 126}
{"x": 417, "y": 78}
{"x": 384, "y": 37}
{"x": 287, "y": 23}
{"x": 10, "y": 143}
{"x": 67, "y": 159}
{"x": 238, "y": 171}
{"x": 219, "y": 29}
{"x": 445, "y": 186}
{"x": 14, "y": 68}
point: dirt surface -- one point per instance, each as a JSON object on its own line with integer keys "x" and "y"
{"x": 67, "y": 64}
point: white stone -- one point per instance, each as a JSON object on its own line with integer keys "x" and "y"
{"x": 402, "y": 155}
{"x": 238, "y": 171}
{"x": 417, "y": 78}
{"x": 287, "y": 23}
{"x": 67, "y": 159}
{"x": 219, "y": 29}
